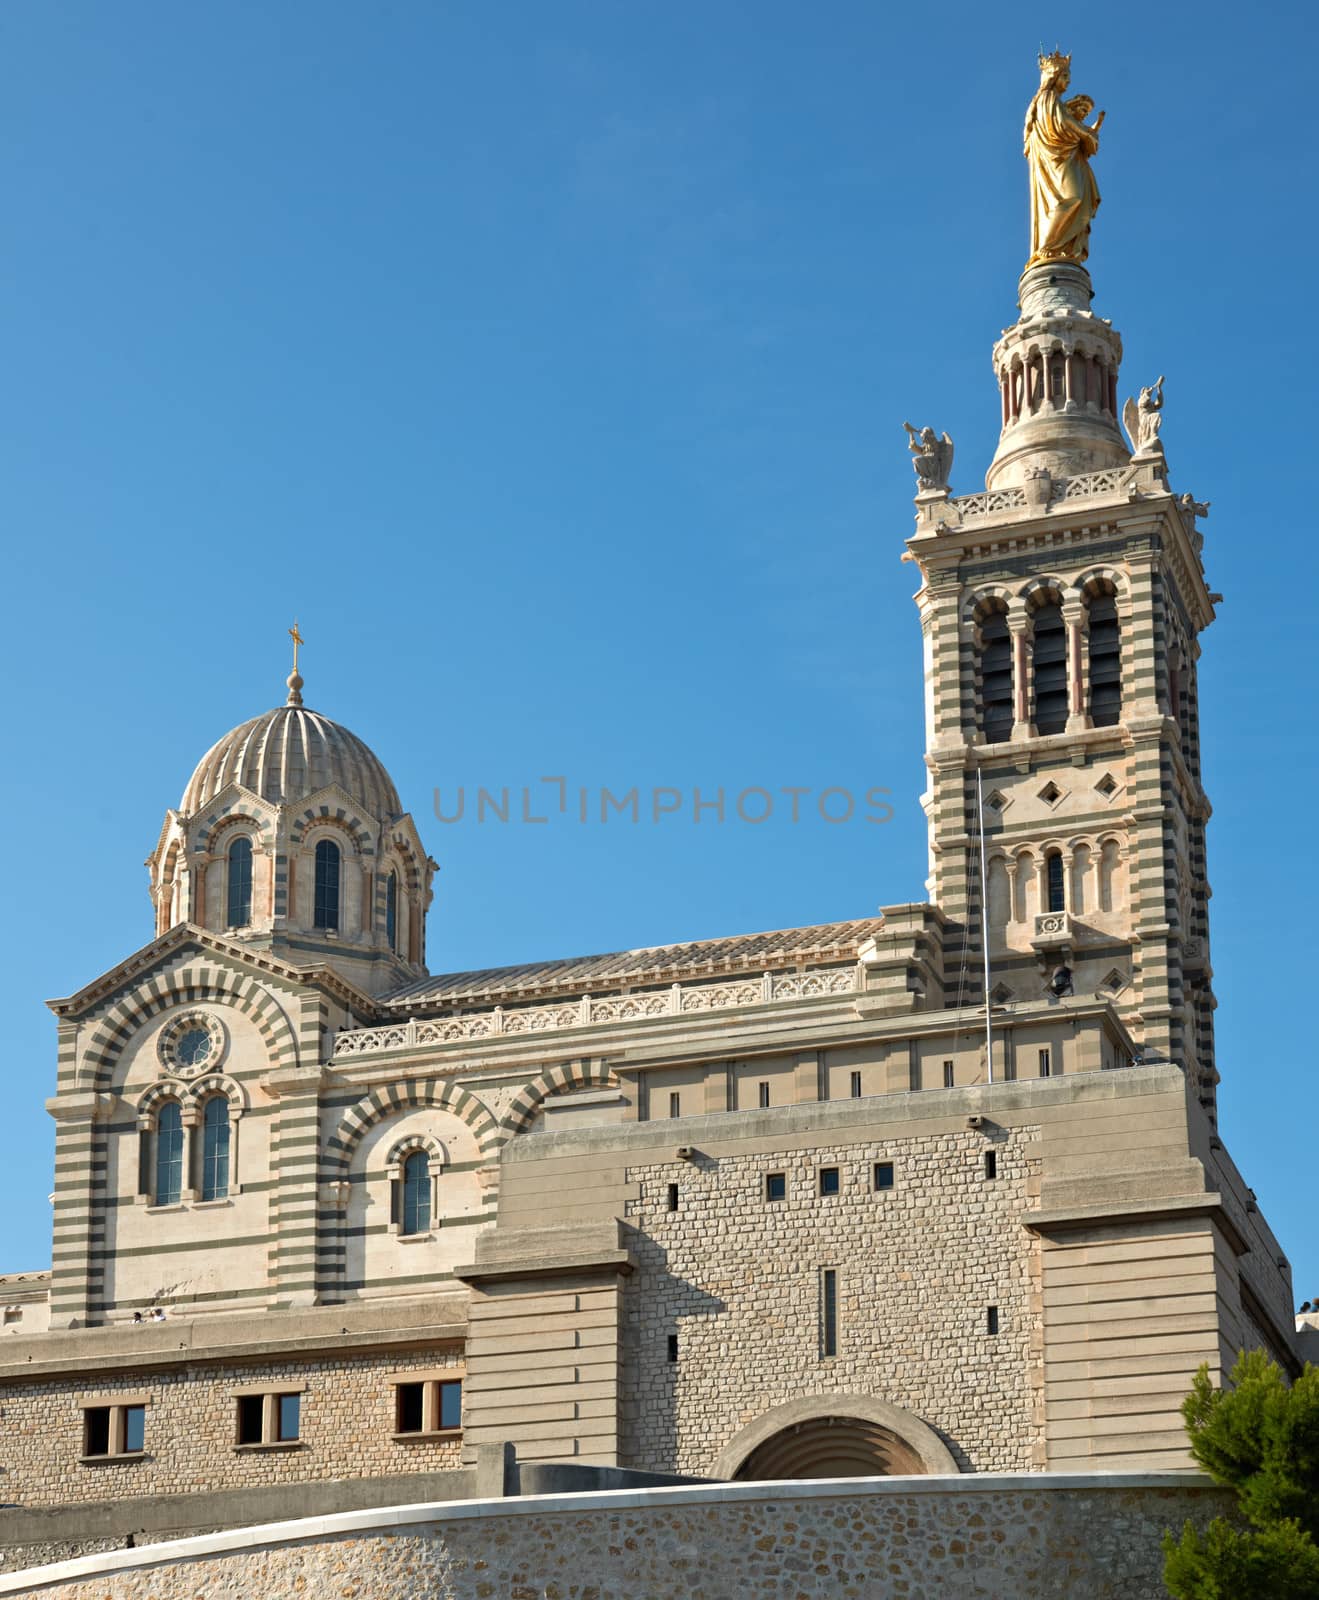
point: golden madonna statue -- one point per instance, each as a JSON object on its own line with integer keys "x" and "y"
{"x": 1063, "y": 193}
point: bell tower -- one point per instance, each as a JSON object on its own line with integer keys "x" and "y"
{"x": 1061, "y": 610}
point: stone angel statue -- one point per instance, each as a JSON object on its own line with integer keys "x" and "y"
{"x": 1143, "y": 418}
{"x": 932, "y": 457}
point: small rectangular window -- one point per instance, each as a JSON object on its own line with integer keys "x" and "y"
{"x": 451, "y": 1404}
{"x": 675, "y": 1104}
{"x": 991, "y": 1319}
{"x": 991, "y": 1164}
{"x": 411, "y": 1408}
{"x": 111, "y": 1431}
{"x": 1044, "y": 1064}
{"x": 673, "y": 1347}
{"x": 673, "y": 1197}
{"x": 829, "y": 1312}
{"x": 883, "y": 1175}
{"x": 856, "y": 1086}
{"x": 829, "y": 1180}
{"x": 250, "y": 1409}
{"x": 288, "y": 1417}
{"x": 776, "y": 1185}
{"x": 426, "y": 1406}
{"x": 764, "y": 1096}
{"x": 948, "y": 1075}
{"x": 96, "y": 1431}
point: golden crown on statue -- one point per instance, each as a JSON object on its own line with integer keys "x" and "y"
{"x": 1057, "y": 60}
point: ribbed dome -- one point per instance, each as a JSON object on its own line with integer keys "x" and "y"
{"x": 287, "y": 754}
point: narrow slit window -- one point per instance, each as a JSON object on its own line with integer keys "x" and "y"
{"x": 949, "y": 1075}
{"x": 238, "y": 911}
{"x": 1054, "y": 881}
{"x": 673, "y": 1347}
{"x": 991, "y": 1164}
{"x": 1105, "y": 663}
{"x": 991, "y": 1319}
{"x": 764, "y": 1096}
{"x": 675, "y": 1104}
{"x": 856, "y": 1086}
{"x": 995, "y": 680}
{"x": 391, "y": 911}
{"x": 215, "y": 1148}
{"x": 416, "y": 1193}
{"x": 1050, "y": 660}
{"x": 169, "y": 1154}
{"x": 1046, "y": 1064}
{"x": 828, "y": 1312}
{"x": 673, "y": 1197}
{"x": 326, "y": 906}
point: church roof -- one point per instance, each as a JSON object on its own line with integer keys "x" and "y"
{"x": 665, "y": 963}
{"x": 287, "y": 754}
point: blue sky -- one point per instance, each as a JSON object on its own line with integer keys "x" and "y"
{"x": 548, "y": 363}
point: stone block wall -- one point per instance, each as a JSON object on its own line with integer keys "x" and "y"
{"x": 347, "y": 1419}
{"x": 736, "y": 1278}
{"x": 860, "y": 1539}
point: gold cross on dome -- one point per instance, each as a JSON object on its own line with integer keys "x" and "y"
{"x": 297, "y": 640}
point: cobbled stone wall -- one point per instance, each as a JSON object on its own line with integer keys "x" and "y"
{"x": 855, "y": 1541}
{"x": 737, "y": 1279}
{"x": 347, "y": 1419}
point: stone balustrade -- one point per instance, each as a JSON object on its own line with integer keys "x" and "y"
{"x": 593, "y": 1010}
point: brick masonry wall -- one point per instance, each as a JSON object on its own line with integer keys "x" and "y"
{"x": 347, "y": 1419}
{"x": 737, "y": 1279}
{"x": 879, "y": 1540}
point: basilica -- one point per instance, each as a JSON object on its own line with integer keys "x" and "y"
{"x": 936, "y": 1190}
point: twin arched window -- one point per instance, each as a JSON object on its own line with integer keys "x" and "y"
{"x": 326, "y": 907}
{"x": 238, "y": 901}
{"x": 210, "y": 1159}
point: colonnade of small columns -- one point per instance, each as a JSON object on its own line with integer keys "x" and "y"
{"x": 1090, "y": 877}
{"x": 1056, "y": 377}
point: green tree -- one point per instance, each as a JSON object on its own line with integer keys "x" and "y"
{"x": 1259, "y": 1438}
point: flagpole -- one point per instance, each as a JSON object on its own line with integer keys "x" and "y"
{"x": 984, "y": 919}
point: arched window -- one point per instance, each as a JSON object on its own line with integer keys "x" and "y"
{"x": 1050, "y": 670}
{"x": 391, "y": 910}
{"x": 215, "y": 1148}
{"x": 1053, "y": 870}
{"x": 416, "y": 1193}
{"x": 169, "y": 1154}
{"x": 995, "y": 679}
{"x": 1105, "y": 663}
{"x": 238, "y": 908}
{"x": 327, "y": 884}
